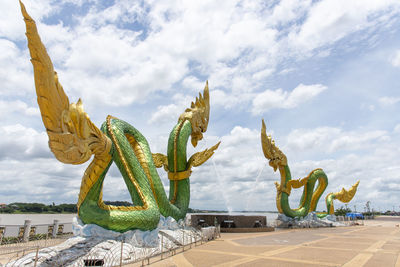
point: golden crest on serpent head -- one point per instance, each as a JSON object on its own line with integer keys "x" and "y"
{"x": 270, "y": 150}
{"x": 198, "y": 114}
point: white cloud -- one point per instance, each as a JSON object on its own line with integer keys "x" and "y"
{"x": 166, "y": 113}
{"x": 330, "y": 139}
{"x": 270, "y": 99}
{"x": 263, "y": 74}
{"x": 116, "y": 71}
{"x": 397, "y": 128}
{"x": 8, "y": 107}
{"x": 19, "y": 142}
{"x": 104, "y": 62}
{"x": 11, "y": 21}
{"x": 331, "y": 20}
{"x": 171, "y": 112}
{"x": 288, "y": 10}
{"x": 193, "y": 83}
{"x": 123, "y": 11}
{"x": 303, "y": 93}
{"x": 15, "y": 70}
{"x": 365, "y": 106}
{"x": 388, "y": 100}
{"x": 395, "y": 60}
{"x": 42, "y": 180}
{"x": 221, "y": 98}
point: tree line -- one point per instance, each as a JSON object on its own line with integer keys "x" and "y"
{"x": 342, "y": 211}
{"x": 19, "y": 207}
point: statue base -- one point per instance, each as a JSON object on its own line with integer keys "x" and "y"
{"x": 309, "y": 221}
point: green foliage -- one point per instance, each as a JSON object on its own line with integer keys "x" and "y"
{"x": 7, "y": 209}
{"x": 14, "y": 239}
{"x": 9, "y": 240}
{"x": 190, "y": 210}
{"x": 342, "y": 211}
{"x": 28, "y": 207}
{"x": 19, "y": 207}
{"x": 68, "y": 208}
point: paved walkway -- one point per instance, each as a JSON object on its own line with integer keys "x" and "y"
{"x": 374, "y": 244}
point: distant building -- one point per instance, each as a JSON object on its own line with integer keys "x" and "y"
{"x": 3, "y": 206}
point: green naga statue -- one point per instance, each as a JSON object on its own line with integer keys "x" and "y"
{"x": 310, "y": 197}
{"x": 73, "y": 139}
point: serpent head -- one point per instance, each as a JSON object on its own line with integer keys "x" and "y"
{"x": 271, "y": 151}
{"x": 198, "y": 114}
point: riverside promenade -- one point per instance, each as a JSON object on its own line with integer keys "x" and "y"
{"x": 374, "y": 244}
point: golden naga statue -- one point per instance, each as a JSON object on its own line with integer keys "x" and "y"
{"x": 73, "y": 139}
{"x": 310, "y": 197}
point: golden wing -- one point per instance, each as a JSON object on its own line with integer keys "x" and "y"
{"x": 198, "y": 114}
{"x": 200, "y": 157}
{"x": 73, "y": 138}
{"x": 271, "y": 151}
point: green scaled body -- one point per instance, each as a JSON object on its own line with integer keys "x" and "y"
{"x": 131, "y": 153}
{"x": 310, "y": 196}
{"x": 146, "y": 217}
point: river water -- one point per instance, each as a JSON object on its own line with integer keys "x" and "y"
{"x": 19, "y": 219}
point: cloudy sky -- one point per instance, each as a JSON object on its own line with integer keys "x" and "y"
{"x": 325, "y": 76}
